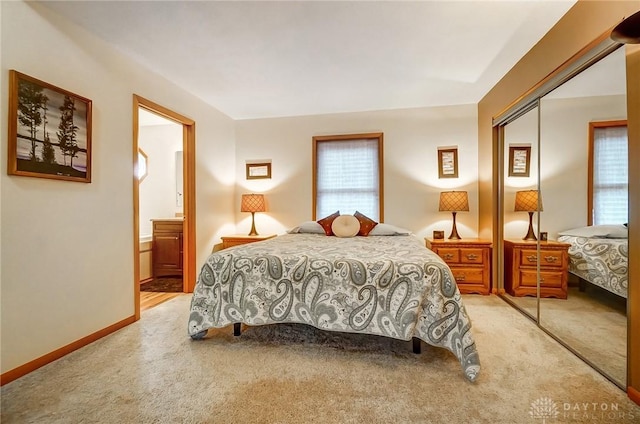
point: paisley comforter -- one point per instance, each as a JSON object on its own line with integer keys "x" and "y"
{"x": 601, "y": 261}
{"x": 385, "y": 285}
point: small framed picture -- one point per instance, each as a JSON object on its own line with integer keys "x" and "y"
{"x": 49, "y": 131}
{"x": 257, "y": 171}
{"x": 438, "y": 234}
{"x": 448, "y": 163}
{"x": 519, "y": 158}
{"x": 544, "y": 236}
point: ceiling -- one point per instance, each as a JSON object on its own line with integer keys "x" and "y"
{"x": 272, "y": 59}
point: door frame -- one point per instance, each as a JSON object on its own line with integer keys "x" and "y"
{"x": 189, "y": 197}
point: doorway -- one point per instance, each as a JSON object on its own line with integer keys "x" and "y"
{"x": 177, "y": 259}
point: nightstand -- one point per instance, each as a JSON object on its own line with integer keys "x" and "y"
{"x": 238, "y": 239}
{"x": 520, "y": 268}
{"x": 469, "y": 260}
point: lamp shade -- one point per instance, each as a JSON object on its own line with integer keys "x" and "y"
{"x": 253, "y": 203}
{"x": 527, "y": 201}
{"x": 454, "y": 201}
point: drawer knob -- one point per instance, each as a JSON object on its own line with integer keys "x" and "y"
{"x": 459, "y": 277}
{"x": 472, "y": 256}
{"x": 448, "y": 256}
{"x": 532, "y": 258}
{"x": 551, "y": 259}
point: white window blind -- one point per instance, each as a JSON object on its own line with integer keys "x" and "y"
{"x": 610, "y": 175}
{"x": 347, "y": 177}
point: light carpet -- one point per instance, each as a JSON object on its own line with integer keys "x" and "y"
{"x": 591, "y": 323}
{"x": 151, "y": 372}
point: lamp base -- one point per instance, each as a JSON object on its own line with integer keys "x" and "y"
{"x": 531, "y": 236}
{"x": 253, "y": 231}
{"x": 454, "y": 231}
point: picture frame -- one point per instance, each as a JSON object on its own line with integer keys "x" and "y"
{"x": 519, "y": 160}
{"x": 438, "y": 234}
{"x": 256, "y": 171}
{"x": 448, "y": 163}
{"x": 49, "y": 131}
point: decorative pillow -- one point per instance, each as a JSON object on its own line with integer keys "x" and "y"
{"x": 327, "y": 221}
{"x": 308, "y": 227}
{"x": 383, "y": 229}
{"x": 366, "y": 224}
{"x": 345, "y": 226}
{"x": 598, "y": 231}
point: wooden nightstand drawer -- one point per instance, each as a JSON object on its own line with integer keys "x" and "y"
{"x": 548, "y": 258}
{"x": 521, "y": 267}
{"x": 469, "y": 261}
{"x": 471, "y": 256}
{"x": 450, "y": 256}
{"x": 468, "y": 275}
{"x": 547, "y": 279}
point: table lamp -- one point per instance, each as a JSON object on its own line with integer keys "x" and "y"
{"x": 528, "y": 201}
{"x": 454, "y": 202}
{"x": 253, "y": 203}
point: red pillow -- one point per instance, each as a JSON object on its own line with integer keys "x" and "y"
{"x": 327, "y": 221}
{"x": 366, "y": 224}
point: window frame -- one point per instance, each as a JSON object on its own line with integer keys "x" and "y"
{"x": 348, "y": 137}
{"x": 592, "y": 127}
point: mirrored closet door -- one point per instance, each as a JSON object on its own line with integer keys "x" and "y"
{"x": 564, "y": 250}
{"x": 583, "y": 179}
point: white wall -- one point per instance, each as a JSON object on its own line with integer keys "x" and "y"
{"x": 158, "y": 189}
{"x": 67, "y": 248}
{"x": 411, "y": 183}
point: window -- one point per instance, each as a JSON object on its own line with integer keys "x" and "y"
{"x": 608, "y": 173}
{"x": 347, "y": 175}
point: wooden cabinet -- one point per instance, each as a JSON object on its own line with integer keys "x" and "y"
{"x": 238, "y": 239}
{"x": 469, "y": 260}
{"x": 521, "y": 268}
{"x": 167, "y": 247}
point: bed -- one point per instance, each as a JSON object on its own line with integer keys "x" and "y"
{"x": 385, "y": 285}
{"x": 599, "y": 254}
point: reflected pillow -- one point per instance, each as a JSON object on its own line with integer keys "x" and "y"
{"x": 308, "y": 227}
{"x": 327, "y": 221}
{"x": 598, "y": 231}
{"x": 345, "y": 226}
{"x": 366, "y": 224}
{"x": 383, "y": 229}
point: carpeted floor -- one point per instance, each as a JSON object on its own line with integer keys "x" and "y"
{"x": 163, "y": 284}
{"x": 151, "y": 372}
{"x": 593, "y": 322}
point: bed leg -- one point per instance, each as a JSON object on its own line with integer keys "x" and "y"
{"x": 416, "y": 345}
{"x": 236, "y": 329}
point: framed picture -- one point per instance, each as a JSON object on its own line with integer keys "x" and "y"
{"x": 448, "y": 163}
{"x": 519, "y": 158}
{"x": 257, "y": 171}
{"x": 49, "y": 131}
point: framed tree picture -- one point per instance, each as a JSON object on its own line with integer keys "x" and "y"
{"x": 49, "y": 131}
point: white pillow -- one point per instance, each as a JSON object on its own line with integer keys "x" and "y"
{"x": 383, "y": 229}
{"x": 598, "y": 231}
{"x": 345, "y": 226}
{"x": 310, "y": 227}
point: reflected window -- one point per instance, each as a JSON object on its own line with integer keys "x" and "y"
{"x": 142, "y": 165}
{"x": 608, "y": 168}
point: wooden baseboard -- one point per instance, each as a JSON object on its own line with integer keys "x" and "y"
{"x": 633, "y": 394}
{"x": 25, "y": 369}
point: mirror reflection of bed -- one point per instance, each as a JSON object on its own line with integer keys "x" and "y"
{"x": 579, "y": 123}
